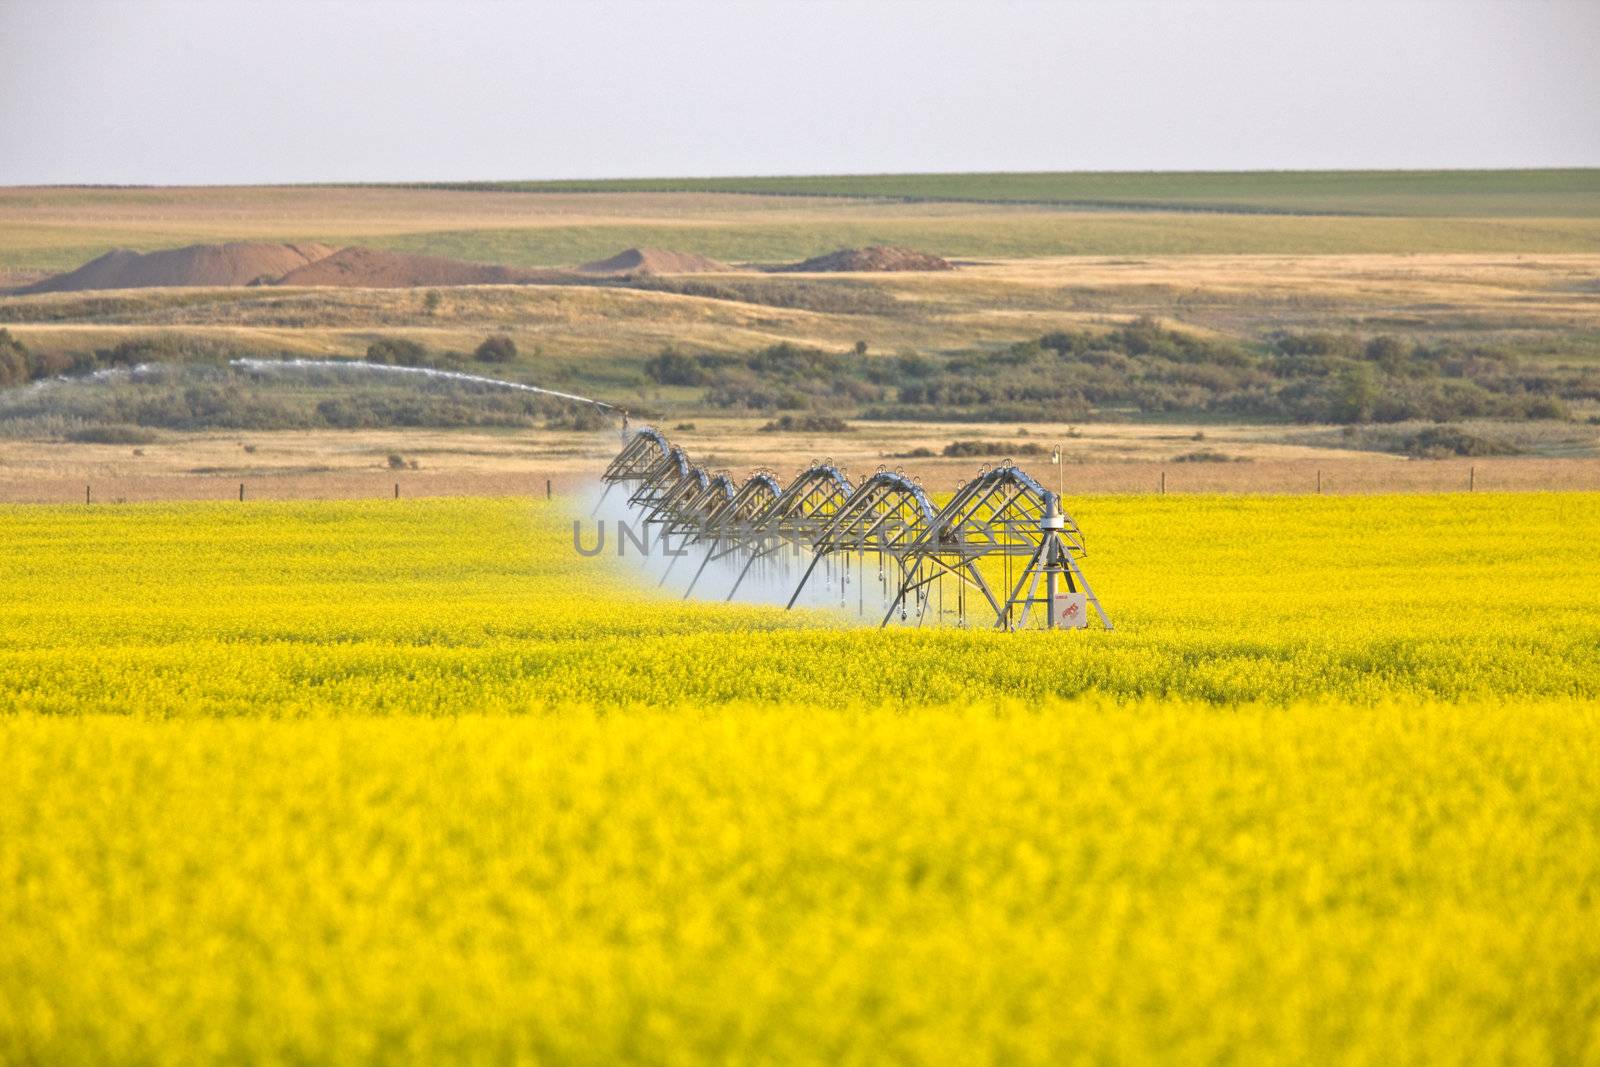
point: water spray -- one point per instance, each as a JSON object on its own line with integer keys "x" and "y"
{"x": 424, "y": 372}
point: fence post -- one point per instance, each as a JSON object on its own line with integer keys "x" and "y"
{"x": 1319, "y": 480}
{"x": 548, "y": 492}
{"x": 86, "y": 498}
{"x": 397, "y": 490}
{"x": 241, "y": 492}
{"x": 1472, "y": 479}
{"x": 1163, "y": 481}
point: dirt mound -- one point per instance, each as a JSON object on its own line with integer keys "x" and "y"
{"x": 374, "y": 268}
{"x": 655, "y": 261}
{"x": 872, "y": 258}
{"x": 353, "y": 268}
{"x": 238, "y": 263}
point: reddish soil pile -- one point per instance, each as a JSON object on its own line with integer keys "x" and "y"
{"x": 872, "y": 258}
{"x": 374, "y": 268}
{"x": 238, "y": 263}
{"x": 655, "y": 261}
{"x": 352, "y": 268}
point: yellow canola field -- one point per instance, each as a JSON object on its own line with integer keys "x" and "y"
{"x": 461, "y": 605}
{"x": 413, "y": 782}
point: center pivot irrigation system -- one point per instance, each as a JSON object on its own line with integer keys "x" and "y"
{"x": 998, "y": 539}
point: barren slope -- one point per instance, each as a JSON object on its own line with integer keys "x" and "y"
{"x": 235, "y": 263}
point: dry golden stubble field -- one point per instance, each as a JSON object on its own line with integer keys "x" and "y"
{"x": 1101, "y": 458}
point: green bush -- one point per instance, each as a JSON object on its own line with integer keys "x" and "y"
{"x": 397, "y": 352}
{"x": 582, "y": 418}
{"x": 674, "y": 368}
{"x": 496, "y": 349}
{"x": 112, "y": 435}
{"x": 15, "y": 367}
{"x": 1436, "y": 442}
{"x": 806, "y": 424}
{"x": 992, "y": 448}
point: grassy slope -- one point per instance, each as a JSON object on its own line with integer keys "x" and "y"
{"x": 774, "y": 240}
{"x": 1456, "y": 211}
{"x": 1481, "y": 193}
{"x": 982, "y": 305}
{"x": 1010, "y": 236}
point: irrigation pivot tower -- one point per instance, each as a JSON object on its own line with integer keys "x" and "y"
{"x": 995, "y": 543}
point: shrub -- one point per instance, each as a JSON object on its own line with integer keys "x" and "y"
{"x": 112, "y": 435}
{"x": 585, "y": 419}
{"x": 1390, "y": 353}
{"x": 741, "y": 395}
{"x": 992, "y": 448}
{"x": 675, "y": 368}
{"x": 787, "y": 362}
{"x": 161, "y": 349}
{"x": 1437, "y": 442}
{"x": 1064, "y": 343}
{"x": 912, "y": 365}
{"x": 806, "y": 424}
{"x": 1320, "y": 345}
{"x": 1355, "y": 395}
{"x": 496, "y": 349}
{"x": 397, "y": 352}
{"x": 1544, "y": 407}
{"x": 14, "y": 364}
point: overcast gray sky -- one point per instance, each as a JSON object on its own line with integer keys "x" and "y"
{"x": 122, "y": 91}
